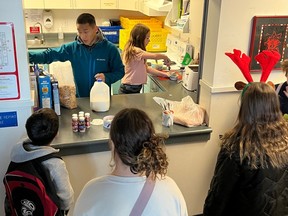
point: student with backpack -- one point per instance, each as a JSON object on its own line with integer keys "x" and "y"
{"x": 34, "y": 167}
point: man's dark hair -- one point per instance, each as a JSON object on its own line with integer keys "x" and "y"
{"x": 86, "y": 18}
{"x": 42, "y": 126}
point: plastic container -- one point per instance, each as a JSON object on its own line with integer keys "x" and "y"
{"x": 129, "y": 22}
{"x": 111, "y": 33}
{"x": 157, "y": 39}
{"x": 100, "y": 97}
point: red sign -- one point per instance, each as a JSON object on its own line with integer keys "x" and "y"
{"x": 35, "y": 29}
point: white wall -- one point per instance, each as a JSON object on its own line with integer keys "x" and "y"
{"x": 67, "y": 18}
{"x": 229, "y": 26}
{"x": 10, "y": 135}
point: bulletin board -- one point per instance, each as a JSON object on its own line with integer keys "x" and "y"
{"x": 9, "y": 77}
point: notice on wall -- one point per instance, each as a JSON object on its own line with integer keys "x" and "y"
{"x": 8, "y": 119}
{"x": 9, "y": 79}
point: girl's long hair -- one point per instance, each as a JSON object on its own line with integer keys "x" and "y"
{"x": 136, "y": 39}
{"x": 260, "y": 136}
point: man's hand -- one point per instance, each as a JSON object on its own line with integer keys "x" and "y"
{"x": 100, "y": 76}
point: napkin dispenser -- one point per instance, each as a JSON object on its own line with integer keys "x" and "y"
{"x": 190, "y": 78}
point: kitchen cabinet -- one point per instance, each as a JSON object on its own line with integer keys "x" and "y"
{"x": 33, "y": 4}
{"x": 133, "y": 5}
{"x": 174, "y": 20}
{"x": 56, "y": 4}
{"x": 63, "y": 4}
{"x": 86, "y": 4}
{"x": 152, "y": 8}
{"x": 109, "y": 4}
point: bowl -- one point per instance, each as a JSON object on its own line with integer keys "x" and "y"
{"x": 173, "y": 76}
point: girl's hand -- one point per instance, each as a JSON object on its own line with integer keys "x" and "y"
{"x": 167, "y": 61}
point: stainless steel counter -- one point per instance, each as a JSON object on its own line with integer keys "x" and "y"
{"x": 95, "y": 139}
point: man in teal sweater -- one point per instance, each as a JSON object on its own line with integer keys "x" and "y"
{"x": 91, "y": 55}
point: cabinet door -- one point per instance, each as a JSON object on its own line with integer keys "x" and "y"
{"x": 87, "y": 4}
{"x": 109, "y": 4}
{"x": 33, "y": 4}
{"x": 58, "y": 4}
{"x": 132, "y": 5}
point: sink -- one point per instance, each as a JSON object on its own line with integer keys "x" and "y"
{"x": 34, "y": 42}
{"x": 152, "y": 85}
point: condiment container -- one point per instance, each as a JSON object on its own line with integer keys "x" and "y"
{"x": 81, "y": 124}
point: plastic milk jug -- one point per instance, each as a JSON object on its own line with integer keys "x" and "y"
{"x": 100, "y": 96}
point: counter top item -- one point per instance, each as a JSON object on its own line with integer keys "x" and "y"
{"x": 95, "y": 138}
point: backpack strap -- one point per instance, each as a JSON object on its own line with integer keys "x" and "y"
{"x": 45, "y": 176}
{"x": 143, "y": 198}
{"x": 46, "y": 157}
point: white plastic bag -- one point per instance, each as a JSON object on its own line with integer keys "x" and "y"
{"x": 186, "y": 111}
{"x": 67, "y": 89}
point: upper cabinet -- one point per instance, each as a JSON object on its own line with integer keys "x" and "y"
{"x": 33, "y": 4}
{"x": 85, "y": 4}
{"x": 56, "y": 4}
{"x": 133, "y": 5}
{"x": 61, "y": 4}
{"x": 147, "y": 7}
{"x": 109, "y": 4}
{"x": 155, "y": 7}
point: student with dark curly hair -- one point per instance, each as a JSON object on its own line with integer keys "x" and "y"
{"x": 251, "y": 175}
{"x": 138, "y": 156}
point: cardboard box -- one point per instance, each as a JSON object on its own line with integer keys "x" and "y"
{"x": 55, "y": 94}
{"x": 44, "y": 91}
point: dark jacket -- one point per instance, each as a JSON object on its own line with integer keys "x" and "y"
{"x": 102, "y": 57}
{"x": 282, "y": 97}
{"x": 237, "y": 190}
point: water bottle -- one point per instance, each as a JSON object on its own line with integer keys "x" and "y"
{"x": 100, "y": 96}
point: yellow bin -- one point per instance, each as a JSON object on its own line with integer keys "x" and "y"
{"x": 157, "y": 39}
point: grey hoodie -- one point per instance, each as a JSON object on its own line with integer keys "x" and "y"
{"x": 25, "y": 151}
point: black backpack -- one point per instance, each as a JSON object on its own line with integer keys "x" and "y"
{"x": 29, "y": 189}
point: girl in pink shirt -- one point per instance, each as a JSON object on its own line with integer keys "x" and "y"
{"x": 134, "y": 57}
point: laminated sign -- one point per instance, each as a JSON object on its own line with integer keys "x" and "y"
{"x": 9, "y": 79}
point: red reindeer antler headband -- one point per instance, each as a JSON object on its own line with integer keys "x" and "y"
{"x": 267, "y": 60}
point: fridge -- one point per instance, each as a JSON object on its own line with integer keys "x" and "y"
{"x": 15, "y": 98}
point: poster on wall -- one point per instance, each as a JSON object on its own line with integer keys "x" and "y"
{"x": 268, "y": 33}
{"x": 9, "y": 78}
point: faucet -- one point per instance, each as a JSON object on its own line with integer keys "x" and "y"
{"x": 41, "y": 31}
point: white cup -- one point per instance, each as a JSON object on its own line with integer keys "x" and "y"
{"x": 107, "y": 120}
{"x": 167, "y": 118}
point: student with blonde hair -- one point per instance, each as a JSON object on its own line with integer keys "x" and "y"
{"x": 134, "y": 57}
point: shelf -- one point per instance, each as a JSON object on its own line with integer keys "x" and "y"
{"x": 165, "y": 7}
{"x": 181, "y": 26}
